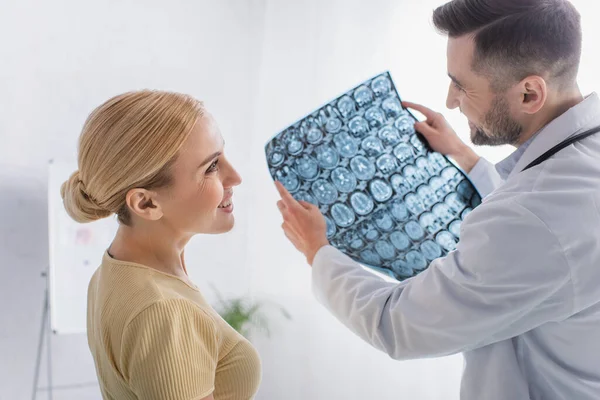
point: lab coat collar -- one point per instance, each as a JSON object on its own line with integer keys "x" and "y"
{"x": 584, "y": 115}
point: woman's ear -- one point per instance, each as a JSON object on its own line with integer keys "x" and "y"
{"x": 144, "y": 204}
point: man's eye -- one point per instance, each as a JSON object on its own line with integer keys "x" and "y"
{"x": 458, "y": 87}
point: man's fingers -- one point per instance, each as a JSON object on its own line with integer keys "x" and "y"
{"x": 306, "y": 205}
{"x": 427, "y": 112}
{"x": 283, "y": 209}
{"x": 289, "y": 214}
{"x": 289, "y": 232}
{"x": 286, "y": 196}
{"x": 286, "y": 226}
{"x": 424, "y": 128}
{"x": 292, "y": 239}
{"x": 281, "y": 205}
{"x": 283, "y": 192}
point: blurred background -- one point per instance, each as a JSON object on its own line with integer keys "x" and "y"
{"x": 259, "y": 65}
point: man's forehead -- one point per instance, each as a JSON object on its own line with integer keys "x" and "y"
{"x": 460, "y": 55}
{"x": 461, "y": 48}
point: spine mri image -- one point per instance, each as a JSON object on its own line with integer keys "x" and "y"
{"x": 390, "y": 202}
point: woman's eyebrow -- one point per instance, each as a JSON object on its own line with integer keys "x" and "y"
{"x": 211, "y": 157}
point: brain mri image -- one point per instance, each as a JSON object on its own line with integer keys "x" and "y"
{"x": 390, "y": 202}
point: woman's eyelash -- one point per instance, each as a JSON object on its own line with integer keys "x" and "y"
{"x": 213, "y": 166}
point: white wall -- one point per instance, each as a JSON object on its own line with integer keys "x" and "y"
{"x": 259, "y": 65}
{"x": 62, "y": 58}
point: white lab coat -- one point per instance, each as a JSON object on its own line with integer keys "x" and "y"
{"x": 520, "y": 297}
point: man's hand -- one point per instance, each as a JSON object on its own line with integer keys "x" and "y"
{"x": 303, "y": 224}
{"x": 442, "y": 138}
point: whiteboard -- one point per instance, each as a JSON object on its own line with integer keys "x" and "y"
{"x": 76, "y": 251}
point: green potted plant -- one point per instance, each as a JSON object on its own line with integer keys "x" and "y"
{"x": 246, "y": 315}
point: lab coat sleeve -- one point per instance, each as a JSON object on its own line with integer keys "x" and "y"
{"x": 507, "y": 276}
{"x": 484, "y": 177}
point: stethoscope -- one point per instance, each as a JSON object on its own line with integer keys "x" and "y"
{"x": 560, "y": 146}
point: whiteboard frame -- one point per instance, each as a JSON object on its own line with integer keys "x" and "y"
{"x": 68, "y": 281}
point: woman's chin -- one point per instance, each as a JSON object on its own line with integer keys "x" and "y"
{"x": 225, "y": 226}
{"x": 220, "y": 223}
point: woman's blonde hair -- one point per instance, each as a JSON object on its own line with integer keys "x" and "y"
{"x": 131, "y": 141}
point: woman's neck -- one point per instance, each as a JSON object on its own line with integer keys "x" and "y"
{"x": 157, "y": 250}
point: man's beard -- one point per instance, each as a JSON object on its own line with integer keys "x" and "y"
{"x": 501, "y": 128}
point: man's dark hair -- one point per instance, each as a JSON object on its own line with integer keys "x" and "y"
{"x": 517, "y": 38}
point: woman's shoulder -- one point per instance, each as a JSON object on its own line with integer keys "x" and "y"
{"x": 176, "y": 318}
{"x": 122, "y": 293}
{"x": 172, "y": 309}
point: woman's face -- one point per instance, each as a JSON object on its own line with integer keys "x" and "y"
{"x": 200, "y": 198}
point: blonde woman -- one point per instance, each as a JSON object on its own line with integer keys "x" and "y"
{"x": 156, "y": 160}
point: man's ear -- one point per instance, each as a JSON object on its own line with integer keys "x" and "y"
{"x": 144, "y": 204}
{"x": 533, "y": 93}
